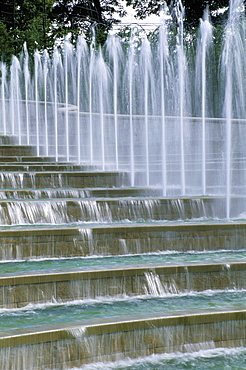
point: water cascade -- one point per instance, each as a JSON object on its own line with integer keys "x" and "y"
{"x": 122, "y": 179}
{"x": 232, "y": 65}
{"x": 204, "y": 44}
{"x": 154, "y": 109}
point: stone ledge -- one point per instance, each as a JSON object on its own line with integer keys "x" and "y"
{"x": 131, "y": 323}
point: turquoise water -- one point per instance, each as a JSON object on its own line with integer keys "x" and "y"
{"x": 80, "y": 310}
{"x": 113, "y": 261}
{"x": 212, "y": 359}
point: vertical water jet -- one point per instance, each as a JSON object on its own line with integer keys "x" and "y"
{"x": 204, "y": 42}
{"x": 115, "y": 52}
{"x": 56, "y": 63}
{"x": 45, "y": 73}
{"x": 67, "y": 61}
{"x": 163, "y": 54}
{"x": 36, "y": 84}
{"x": 233, "y": 80}
{"x": 27, "y": 83}
{"x": 181, "y": 75}
{"x": 3, "y": 86}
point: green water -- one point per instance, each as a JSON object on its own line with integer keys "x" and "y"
{"x": 212, "y": 359}
{"x": 50, "y": 313}
{"x": 114, "y": 261}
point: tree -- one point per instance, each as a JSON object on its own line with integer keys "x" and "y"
{"x": 194, "y": 9}
{"x": 25, "y": 21}
{"x": 40, "y": 23}
{"x": 79, "y": 16}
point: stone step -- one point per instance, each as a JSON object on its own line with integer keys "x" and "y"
{"x": 24, "y": 243}
{"x": 16, "y": 150}
{"x": 103, "y": 210}
{"x": 74, "y": 344}
{"x": 67, "y": 345}
{"x": 8, "y": 140}
{"x": 57, "y": 179}
{"x": 30, "y": 159}
{"x": 76, "y": 193}
{"x": 39, "y": 167}
{"x": 20, "y": 289}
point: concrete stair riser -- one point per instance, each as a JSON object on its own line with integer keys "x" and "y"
{"x": 119, "y": 240}
{"x": 22, "y": 180}
{"x": 62, "y": 346}
{"x": 101, "y": 340}
{"x": 17, "y": 290}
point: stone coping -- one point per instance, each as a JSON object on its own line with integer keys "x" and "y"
{"x": 27, "y": 158}
{"x": 92, "y": 192}
{"x": 69, "y": 172}
{"x": 115, "y": 227}
{"x": 46, "y": 276}
{"x": 54, "y": 332}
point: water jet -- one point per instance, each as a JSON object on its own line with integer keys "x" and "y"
{"x": 122, "y": 201}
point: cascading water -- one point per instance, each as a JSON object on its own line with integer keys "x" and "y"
{"x": 151, "y": 108}
{"x": 94, "y": 271}
{"x": 26, "y": 83}
{"x": 131, "y": 109}
{"x": 163, "y": 54}
{"x": 3, "y": 73}
{"x": 181, "y": 77}
{"x": 204, "y": 43}
{"x": 114, "y": 49}
{"x": 234, "y": 107}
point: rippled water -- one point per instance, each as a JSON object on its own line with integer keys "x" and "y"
{"x": 79, "y": 310}
{"x": 212, "y": 359}
{"x": 113, "y": 261}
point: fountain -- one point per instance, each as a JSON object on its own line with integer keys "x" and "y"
{"x": 169, "y": 111}
{"x": 122, "y": 202}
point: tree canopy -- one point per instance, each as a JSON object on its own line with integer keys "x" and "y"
{"x": 40, "y": 23}
{"x": 193, "y": 9}
{"x": 24, "y": 21}
{"x": 78, "y": 16}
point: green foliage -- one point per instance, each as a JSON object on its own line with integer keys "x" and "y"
{"x": 79, "y": 17}
{"x": 25, "y": 21}
{"x": 7, "y": 43}
{"x": 193, "y": 10}
{"x": 42, "y": 23}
